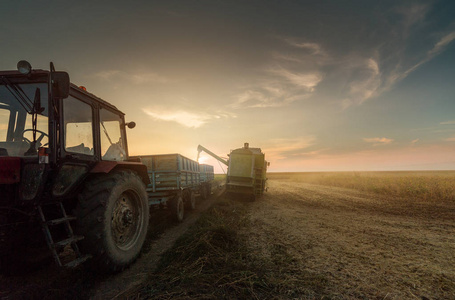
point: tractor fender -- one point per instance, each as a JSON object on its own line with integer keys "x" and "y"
{"x": 109, "y": 166}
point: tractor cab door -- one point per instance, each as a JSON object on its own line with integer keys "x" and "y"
{"x": 78, "y": 143}
{"x": 112, "y": 135}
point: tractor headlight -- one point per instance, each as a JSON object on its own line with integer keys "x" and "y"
{"x": 24, "y": 67}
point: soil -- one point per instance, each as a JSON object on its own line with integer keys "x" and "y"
{"x": 366, "y": 246}
{"x": 50, "y": 282}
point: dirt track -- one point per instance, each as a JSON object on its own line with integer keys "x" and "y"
{"x": 364, "y": 245}
{"x": 50, "y": 282}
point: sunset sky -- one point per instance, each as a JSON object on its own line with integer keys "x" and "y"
{"x": 318, "y": 85}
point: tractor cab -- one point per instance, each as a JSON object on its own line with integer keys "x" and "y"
{"x": 53, "y": 134}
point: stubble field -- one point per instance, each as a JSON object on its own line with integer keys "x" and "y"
{"x": 320, "y": 235}
{"x": 372, "y": 235}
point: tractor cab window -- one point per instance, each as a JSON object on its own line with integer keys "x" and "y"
{"x": 78, "y": 126}
{"x": 4, "y": 120}
{"x": 17, "y": 102}
{"x": 112, "y": 141}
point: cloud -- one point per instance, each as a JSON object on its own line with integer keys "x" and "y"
{"x": 412, "y": 15}
{"x": 308, "y": 81}
{"x": 281, "y": 88}
{"x": 378, "y": 141}
{"x": 447, "y": 123}
{"x": 365, "y": 84}
{"x": 278, "y": 149}
{"x": 442, "y": 44}
{"x": 438, "y": 48}
{"x": 288, "y": 77}
{"x": 313, "y": 48}
{"x": 261, "y": 97}
{"x": 413, "y": 142}
{"x": 185, "y": 118}
{"x": 136, "y": 78}
{"x": 450, "y": 139}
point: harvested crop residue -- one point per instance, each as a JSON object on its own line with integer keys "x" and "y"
{"x": 364, "y": 245}
{"x": 305, "y": 241}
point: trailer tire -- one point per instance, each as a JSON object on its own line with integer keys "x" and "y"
{"x": 177, "y": 208}
{"x": 190, "y": 200}
{"x": 206, "y": 190}
{"x": 113, "y": 215}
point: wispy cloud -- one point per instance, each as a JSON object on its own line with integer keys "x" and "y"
{"x": 450, "y": 139}
{"x": 448, "y": 123}
{"x": 438, "y": 48}
{"x": 183, "y": 117}
{"x": 411, "y": 15}
{"x": 365, "y": 84}
{"x": 413, "y": 142}
{"x": 281, "y": 88}
{"x": 136, "y": 78}
{"x": 313, "y": 48}
{"x": 260, "y": 97}
{"x": 378, "y": 141}
{"x": 278, "y": 149}
{"x": 289, "y": 77}
{"x": 308, "y": 81}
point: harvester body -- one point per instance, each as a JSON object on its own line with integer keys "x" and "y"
{"x": 247, "y": 171}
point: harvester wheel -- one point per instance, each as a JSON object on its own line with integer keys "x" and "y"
{"x": 113, "y": 215}
{"x": 190, "y": 200}
{"x": 177, "y": 207}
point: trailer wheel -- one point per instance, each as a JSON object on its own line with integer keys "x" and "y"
{"x": 113, "y": 215}
{"x": 206, "y": 190}
{"x": 177, "y": 207}
{"x": 190, "y": 200}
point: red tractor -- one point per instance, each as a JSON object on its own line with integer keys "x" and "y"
{"x": 65, "y": 172}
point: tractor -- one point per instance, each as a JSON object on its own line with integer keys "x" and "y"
{"x": 66, "y": 179}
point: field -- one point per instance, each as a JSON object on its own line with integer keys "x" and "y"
{"x": 389, "y": 235}
{"x": 372, "y": 235}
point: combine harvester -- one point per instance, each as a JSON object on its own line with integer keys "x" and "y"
{"x": 62, "y": 149}
{"x": 247, "y": 169}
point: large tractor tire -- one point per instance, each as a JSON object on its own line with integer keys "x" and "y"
{"x": 113, "y": 215}
{"x": 177, "y": 208}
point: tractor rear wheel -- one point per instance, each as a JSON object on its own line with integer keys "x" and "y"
{"x": 113, "y": 215}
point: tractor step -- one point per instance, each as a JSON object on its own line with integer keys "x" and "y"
{"x": 71, "y": 238}
{"x": 78, "y": 261}
{"x": 61, "y": 220}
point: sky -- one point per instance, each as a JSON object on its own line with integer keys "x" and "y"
{"x": 318, "y": 85}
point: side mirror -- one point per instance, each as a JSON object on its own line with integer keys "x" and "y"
{"x": 131, "y": 125}
{"x": 268, "y": 164}
{"x": 60, "y": 84}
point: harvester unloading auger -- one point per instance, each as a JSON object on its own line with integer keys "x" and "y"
{"x": 247, "y": 169}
